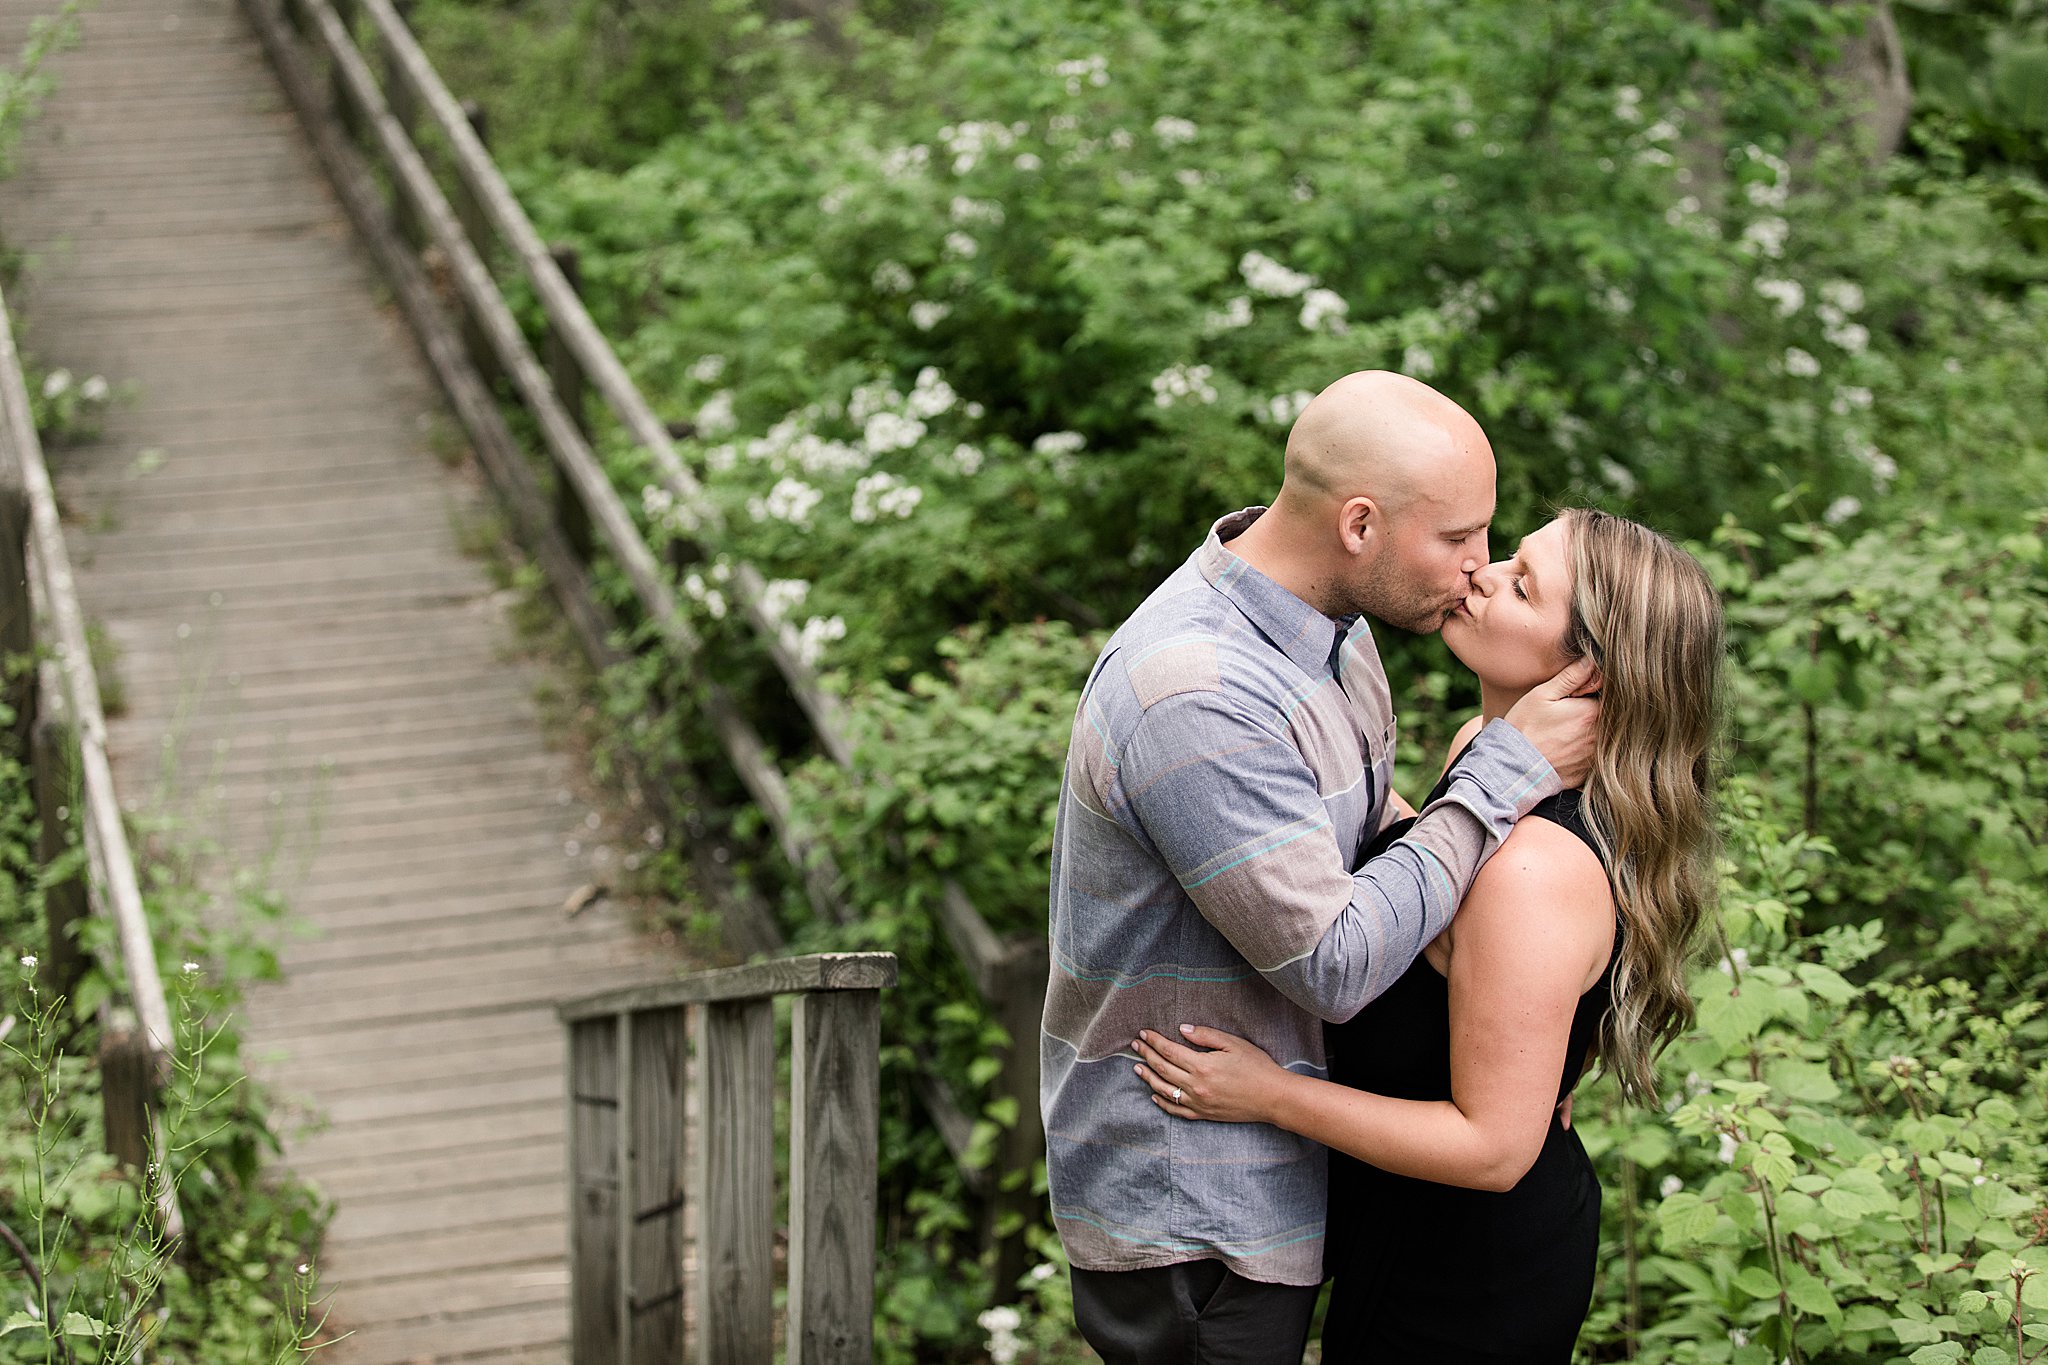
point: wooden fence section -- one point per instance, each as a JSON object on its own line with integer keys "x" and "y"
{"x": 630, "y": 1185}
{"x": 364, "y": 89}
{"x": 56, "y": 703}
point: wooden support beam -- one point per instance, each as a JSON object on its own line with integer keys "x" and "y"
{"x": 737, "y": 1074}
{"x": 834, "y": 1141}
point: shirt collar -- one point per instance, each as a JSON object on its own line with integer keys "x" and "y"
{"x": 1306, "y": 636}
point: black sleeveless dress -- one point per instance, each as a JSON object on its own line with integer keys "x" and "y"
{"x": 1429, "y": 1272}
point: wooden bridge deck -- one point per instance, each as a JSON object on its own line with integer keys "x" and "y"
{"x": 315, "y": 674}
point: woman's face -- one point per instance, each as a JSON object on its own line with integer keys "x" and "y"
{"x": 1511, "y": 630}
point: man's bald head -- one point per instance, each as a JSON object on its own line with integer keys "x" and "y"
{"x": 1383, "y": 436}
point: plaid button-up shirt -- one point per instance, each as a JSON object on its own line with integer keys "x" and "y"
{"x": 1230, "y": 760}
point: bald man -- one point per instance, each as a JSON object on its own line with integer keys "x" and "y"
{"x": 1232, "y": 756}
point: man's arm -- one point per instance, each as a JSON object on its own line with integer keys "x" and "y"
{"x": 1233, "y": 809}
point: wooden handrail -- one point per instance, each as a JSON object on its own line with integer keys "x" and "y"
{"x": 630, "y": 1077}
{"x": 49, "y": 595}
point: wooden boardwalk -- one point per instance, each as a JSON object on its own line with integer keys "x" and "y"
{"x": 315, "y": 675}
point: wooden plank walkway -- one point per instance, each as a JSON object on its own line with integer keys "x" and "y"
{"x": 315, "y": 675}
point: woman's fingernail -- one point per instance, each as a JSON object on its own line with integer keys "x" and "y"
{"x": 1187, "y": 1028}
{"x": 1139, "y": 1069}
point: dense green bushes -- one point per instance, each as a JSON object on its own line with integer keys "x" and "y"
{"x": 981, "y": 314}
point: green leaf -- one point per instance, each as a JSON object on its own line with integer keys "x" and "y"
{"x": 1944, "y": 1353}
{"x": 1910, "y": 1332}
{"x": 79, "y": 1325}
{"x": 1756, "y": 1282}
{"x": 19, "y": 1321}
{"x": 1827, "y": 983}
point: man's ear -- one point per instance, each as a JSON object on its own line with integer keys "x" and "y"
{"x": 1360, "y": 521}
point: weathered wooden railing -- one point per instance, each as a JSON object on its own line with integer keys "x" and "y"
{"x": 437, "y": 238}
{"x": 54, "y": 693}
{"x": 631, "y": 1079}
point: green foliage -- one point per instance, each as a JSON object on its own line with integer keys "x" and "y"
{"x": 980, "y": 314}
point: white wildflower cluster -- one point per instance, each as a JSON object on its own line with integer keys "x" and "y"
{"x": 1283, "y": 409}
{"x": 968, "y": 458}
{"x": 1883, "y": 468}
{"x": 1080, "y": 71}
{"x": 1619, "y": 476}
{"x": 1839, "y": 299}
{"x": 809, "y": 642}
{"x": 59, "y": 382}
{"x": 1302, "y": 190}
{"x": 834, "y": 199}
{"x": 1628, "y": 104}
{"x": 1669, "y": 1186}
{"x": 709, "y": 595}
{"x": 1663, "y": 130}
{"x": 1849, "y": 398}
{"x": 1268, "y": 277}
{"x": 1189, "y": 178}
{"x": 892, "y": 277}
{"x": 1059, "y": 443}
{"x": 1323, "y": 310}
{"x": 1232, "y": 315}
{"x": 926, "y": 314}
{"x": 1463, "y": 304}
{"x": 1726, "y": 1155}
{"x": 1001, "y": 1324}
{"x": 662, "y": 509}
{"x": 1789, "y": 295}
{"x": 1417, "y": 361}
{"x": 1686, "y": 213}
{"x": 884, "y": 495}
{"x": 1841, "y": 509}
{"x": 1800, "y": 364}
{"x": 899, "y": 163}
{"x": 1736, "y": 961}
{"x": 960, "y": 246}
{"x": 791, "y": 500}
{"x": 973, "y": 212}
{"x": 1172, "y": 132}
{"x": 1775, "y": 193}
{"x": 781, "y": 596}
{"x": 716, "y": 419}
{"x": 792, "y": 444}
{"x": 930, "y": 394}
{"x": 707, "y": 369}
{"x": 1027, "y": 161}
{"x": 1766, "y": 237}
{"x": 969, "y": 142}
{"x": 887, "y": 431}
{"x": 1615, "y": 300}
{"x": 1045, "y": 1270}
{"x": 1176, "y": 382}
{"x": 28, "y": 961}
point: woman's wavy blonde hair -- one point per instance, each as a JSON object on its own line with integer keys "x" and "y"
{"x": 1644, "y": 611}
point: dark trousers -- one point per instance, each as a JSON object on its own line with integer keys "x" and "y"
{"x": 1196, "y": 1313}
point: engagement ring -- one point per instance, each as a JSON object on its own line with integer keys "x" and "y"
{"x": 1176, "y": 1094}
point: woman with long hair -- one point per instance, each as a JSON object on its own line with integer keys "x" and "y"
{"x": 1464, "y": 1215}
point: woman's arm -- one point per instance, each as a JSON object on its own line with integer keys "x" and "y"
{"x": 1532, "y": 936}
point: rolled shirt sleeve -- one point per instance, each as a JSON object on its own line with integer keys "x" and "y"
{"x": 1234, "y": 811}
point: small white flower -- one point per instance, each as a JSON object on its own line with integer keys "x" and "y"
{"x": 931, "y": 395}
{"x": 1323, "y": 310}
{"x": 1091, "y": 70}
{"x": 791, "y": 500}
{"x": 1841, "y": 509}
{"x": 191, "y": 969}
{"x": 305, "y": 1267}
{"x": 1736, "y": 961}
{"x": 1003, "y": 1319}
{"x": 1172, "y": 131}
{"x": 1120, "y": 139}
{"x": 883, "y": 495}
{"x": 1727, "y": 1152}
{"x": 1737, "y": 1337}
{"x": 1800, "y": 364}
{"x": 780, "y": 596}
{"x": 1843, "y": 294}
{"x": 715, "y": 419}
{"x": 29, "y": 961}
{"x": 892, "y": 277}
{"x": 1234, "y": 314}
{"x": 1188, "y": 178}
{"x": 1028, "y": 161}
{"x": 1267, "y": 276}
{"x": 926, "y": 314}
{"x": 965, "y": 210}
{"x": 1285, "y": 408}
{"x": 56, "y": 382}
{"x": 1849, "y": 398}
{"x": 1669, "y": 1186}
{"x": 1182, "y": 381}
{"x": 707, "y": 369}
{"x": 94, "y": 390}
{"x": 1789, "y": 295}
{"x": 1043, "y": 1271}
{"x": 1059, "y": 443}
{"x": 1952, "y": 366}
{"x": 1616, "y": 300}
{"x": 900, "y": 162}
{"x": 1852, "y": 337}
{"x": 1301, "y": 191}
{"x": 818, "y": 632}
{"x": 1417, "y": 362}
{"x": 887, "y": 431}
{"x": 968, "y": 457}
{"x": 1627, "y": 104}
{"x": 1766, "y": 237}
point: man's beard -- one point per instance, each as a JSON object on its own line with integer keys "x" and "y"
{"x": 1382, "y": 595}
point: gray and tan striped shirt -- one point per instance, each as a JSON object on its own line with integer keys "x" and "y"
{"x": 1230, "y": 760}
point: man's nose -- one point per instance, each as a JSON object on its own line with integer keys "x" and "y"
{"x": 1475, "y": 555}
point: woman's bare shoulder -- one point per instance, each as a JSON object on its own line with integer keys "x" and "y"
{"x": 1543, "y": 883}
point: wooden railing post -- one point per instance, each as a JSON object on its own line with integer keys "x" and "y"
{"x": 565, "y": 372}
{"x": 1018, "y": 999}
{"x": 736, "y": 1075}
{"x": 53, "y": 760}
{"x": 128, "y": 1091}
{"x": 834, "y": 1163}
{"x": 596, "y": 1324}
{"x": 17, "y": 608}
{"x": 655, "y": 1065}
{"x": 399, "y": 95}
{"x": 476, "y": 225}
